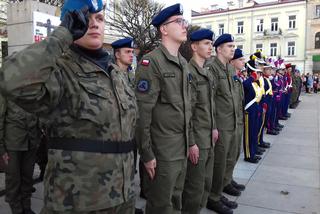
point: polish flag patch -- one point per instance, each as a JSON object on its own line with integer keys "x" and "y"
{"x": 145, "y": 62}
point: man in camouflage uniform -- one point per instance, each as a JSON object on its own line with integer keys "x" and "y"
{"x": 19, "y": 140}
{"x": 204, "y": 132}
{"x": 91, "y": 113}
{"x": 225, "y": 101}
{"x": 124, "y": 53}
{"x": 163, "y": 94}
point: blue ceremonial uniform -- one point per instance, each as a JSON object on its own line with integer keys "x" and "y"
{"x": 269, "y": 100}
{"x": 273, "y": 111}
{"x": 251, "y": 102}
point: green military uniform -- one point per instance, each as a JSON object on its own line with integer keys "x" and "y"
{"x": 295, "y": 89}
{"x": 226, "y": 100}
{"x": 19, "y": 138}
{"x": 234, "y": 156}
{"x": 199, "y": 176}
{"x": 163, "y": 92}
{"x": 92, "y": 114}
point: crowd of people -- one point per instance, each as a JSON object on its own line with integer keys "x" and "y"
{"x": 189, "y": 117}
{"x": 311, "y": 83}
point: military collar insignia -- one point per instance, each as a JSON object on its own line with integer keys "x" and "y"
{"x": 189, "y": 77}
{"x": 235, "y": 78}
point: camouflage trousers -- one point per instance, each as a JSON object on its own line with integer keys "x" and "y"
{"x": 124, "y": 208}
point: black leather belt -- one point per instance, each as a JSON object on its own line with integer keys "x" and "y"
{"x": 87, "y": 145}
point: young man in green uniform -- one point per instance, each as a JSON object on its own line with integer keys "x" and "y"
{"x": 204, "y": 132}
{"x": 231, "y": 187}
{"x": 91, "y": 113}
{"x": 225, "y": 100}
{"x": 19, "y": 140}
{"x": 163, "y": 90}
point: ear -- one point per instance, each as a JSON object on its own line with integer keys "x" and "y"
{"x": 163, "y": 30}
{"x": 219, "y": 48}
{"x": 194, "y": 47}
{"x": 117, "y": 53}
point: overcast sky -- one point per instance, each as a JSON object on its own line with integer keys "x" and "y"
{"x": 198, "y": 4}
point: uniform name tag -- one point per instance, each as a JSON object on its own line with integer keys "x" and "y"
{"x": 202, "y": 83}
{"x": 169, "y": 75}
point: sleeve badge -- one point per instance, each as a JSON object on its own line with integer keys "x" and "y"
{"x": 143, "y": 85}
{"x": 145, "y": 62}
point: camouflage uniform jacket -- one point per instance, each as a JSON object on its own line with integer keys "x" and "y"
{"x": 225, "y": 97}
{"x": 203, "y": 106}
{"x": 19, "y": 130}
{"x": 81, "y": 101}
{"x": 164, "y": 99}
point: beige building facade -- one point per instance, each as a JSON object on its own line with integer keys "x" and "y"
{"x": 313, "y": 37}
{"x": 277, "y": 28}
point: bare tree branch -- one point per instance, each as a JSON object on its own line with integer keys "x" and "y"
{"x": 133, "y": 18}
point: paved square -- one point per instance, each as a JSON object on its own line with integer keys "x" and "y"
{"x": 285, "y": 181}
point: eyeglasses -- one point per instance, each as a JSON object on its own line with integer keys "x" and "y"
{"x": 180, "y": 21}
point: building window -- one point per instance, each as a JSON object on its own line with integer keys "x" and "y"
{"x": 240, "y": 3}
{"x": 292, "y": 22}
{"x": 318, "y": 11}
{"x": 274, "y": 24}
{"x": 221, "y": 29}
{"x": 260, "y": 25}
{"x": 240, "y": 27}
{"x": 273, "y": 49}
{"x": 291, "y": 48}
{"x": 259, "y": 47}
{"x": 317, "y": 41}
{"x": 240, "y": 47}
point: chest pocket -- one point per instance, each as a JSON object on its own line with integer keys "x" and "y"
{"x": 224, "y": 87}
{"x": 171, "y": 87}
{"x": 95, "y": 97}
{"x": 126, "y": 95}
{"x": 203, "y": 91}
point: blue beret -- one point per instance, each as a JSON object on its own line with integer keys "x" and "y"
{"x": 166, "y": 13}
{"x": 237, "y": 54}
{"x": 70, "y": 5}
{"x": 123, "y": 43}
{"x": 224, "y": 38}
{"x": 202, "y": 34}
